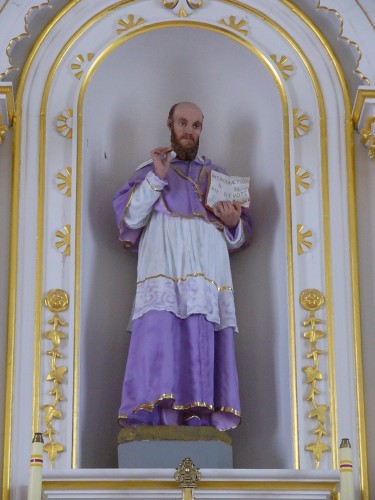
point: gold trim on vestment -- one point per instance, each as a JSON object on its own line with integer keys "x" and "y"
{"x": 122, "y": 221}
{"x": 194, "y": 275}
{"x": 153, "y": 187}
{"x": 187, "y": 178}
{"x": 196, "y": 404}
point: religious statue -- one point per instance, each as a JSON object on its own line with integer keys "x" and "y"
{"x": 181, "y": 367}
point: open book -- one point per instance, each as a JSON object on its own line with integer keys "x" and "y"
{"x": 223, "y": 187}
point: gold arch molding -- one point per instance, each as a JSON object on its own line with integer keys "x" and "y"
{"x": 138, "y": 31}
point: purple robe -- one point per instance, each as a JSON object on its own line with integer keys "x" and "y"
{"x": 181, "y": 363}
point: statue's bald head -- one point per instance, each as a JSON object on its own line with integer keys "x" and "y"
{"x": 185, "y": 122}
{"x": 185, "y": 104}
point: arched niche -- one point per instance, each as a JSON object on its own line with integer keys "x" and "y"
{"x": 237, "y": 128}
{"x": 89, "y": 102}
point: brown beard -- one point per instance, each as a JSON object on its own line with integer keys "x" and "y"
{"x": 183, "y": 152}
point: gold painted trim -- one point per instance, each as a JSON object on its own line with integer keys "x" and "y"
{"x": 142, "y": 484}
{"x": 220, "y": 288}
{"x": 362, "y": 95}
{"x": 3, "y": 7}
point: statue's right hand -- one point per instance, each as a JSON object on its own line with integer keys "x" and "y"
{"x": 161, "y": 158}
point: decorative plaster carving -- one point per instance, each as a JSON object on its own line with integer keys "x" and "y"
{"x": 312, "y": 300}
{"x": 368, "y": 136}
{"x": 238, "y": 25}
{"x": 300, "y": 123}
{"x": 64, "y": 239}
{"x": 65, "y": 186}
{"x": 26, "y": 33}
{"x": 285, "y": 69}
{"x": 182, "y": 8}
{"x": 302, "y": 180}
{"x": 82, "y": 63}
{"x": 129, "y": 23}
{"x": 56, "y": 301}
{"x": 347, "y": 40}
{"x": 302, "y": 239}
{"x": 64, "y": 124}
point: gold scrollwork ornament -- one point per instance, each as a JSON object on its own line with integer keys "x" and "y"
{"x": 182, "y": 8}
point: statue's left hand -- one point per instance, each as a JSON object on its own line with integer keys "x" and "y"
{"x": 228, "y": 212}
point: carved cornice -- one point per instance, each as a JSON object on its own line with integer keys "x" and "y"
{"x": 342, "y": 36}
{"x": 23, "y": 14}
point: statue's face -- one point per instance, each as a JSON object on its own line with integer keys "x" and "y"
{"x": 186, "y": 127}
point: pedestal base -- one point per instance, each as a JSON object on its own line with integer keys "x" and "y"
{"x": 166, "y": 447}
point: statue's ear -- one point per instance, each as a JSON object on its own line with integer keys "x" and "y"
{"x": 169, "y": 123}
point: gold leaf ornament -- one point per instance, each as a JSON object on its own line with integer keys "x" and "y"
{"x": 317, "y": 450}
{"x": 65, "y": 186}
{"x": 129, "y": 23}
{"x": 240, "y": 25}
{"x": 303, "y": 242}
{"x": 65, "y": 124}
{"x": 57, "y": 375}
{"x": 302, "y": 180}
{"x": 300, "y": 123}
{"x": 53, "y": 449}
{"x": 284, "y": 68}
{"x": 81, "y": 63}
{"x": 63, "y": 239}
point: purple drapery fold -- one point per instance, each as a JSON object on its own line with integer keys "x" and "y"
{"x": 180, "y": 372}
